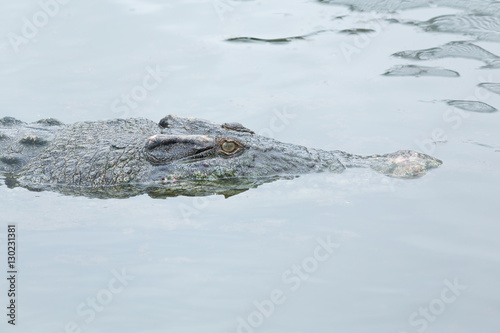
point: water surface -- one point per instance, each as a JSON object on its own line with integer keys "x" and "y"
{"x": 305, "y": 72}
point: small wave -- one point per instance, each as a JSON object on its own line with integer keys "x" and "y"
{"x": 356, "y": 31}
{"x": 488, "y": 7}
{"x": 273, "y": 40}
{"x": 373, "y": 5}
{"x": 413, "y": 70}
{"x": 264, "y": 40}
{"x": 493, "y": 87}
{"x": 453, "y": 50}
{"x": 473, "y": 106}
{"x": 481, "y": 26}
{"x": 496, "y": 149}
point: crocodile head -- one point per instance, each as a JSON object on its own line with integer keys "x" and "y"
{"x": 195, "y": 149}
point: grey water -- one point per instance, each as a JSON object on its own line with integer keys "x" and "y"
{"x": 350, "y": 252}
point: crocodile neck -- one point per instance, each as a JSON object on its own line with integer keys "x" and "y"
{"x": 93, "y": 154}
{"x": 21, "y": 142}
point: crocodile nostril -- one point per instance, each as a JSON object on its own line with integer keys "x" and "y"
{"x": 164, "y": 123}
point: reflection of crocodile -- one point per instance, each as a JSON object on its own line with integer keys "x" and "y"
{"x": 176, "y": 156}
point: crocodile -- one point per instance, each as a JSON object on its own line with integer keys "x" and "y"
{"x": 175, "y": 156}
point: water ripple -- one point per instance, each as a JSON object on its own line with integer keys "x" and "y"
{"x": 356, "y": 31}
{"x": 496, "y": 149}
{"x": 481, "y": 26}
{"x": 493, "y": 87}
{"x": 488, "y": 7}
{"x": 453, "y": 50}
{"x": 473, "y": 106}
{"x": 414, "y": 70}
{"x": 273, "y": 40}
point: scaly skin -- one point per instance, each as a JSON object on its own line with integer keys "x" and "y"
{"x": 20, "y": 142}
{"x": 179, "y": 156}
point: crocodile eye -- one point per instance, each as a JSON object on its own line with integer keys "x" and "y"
{"x": 229, "y": 147}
